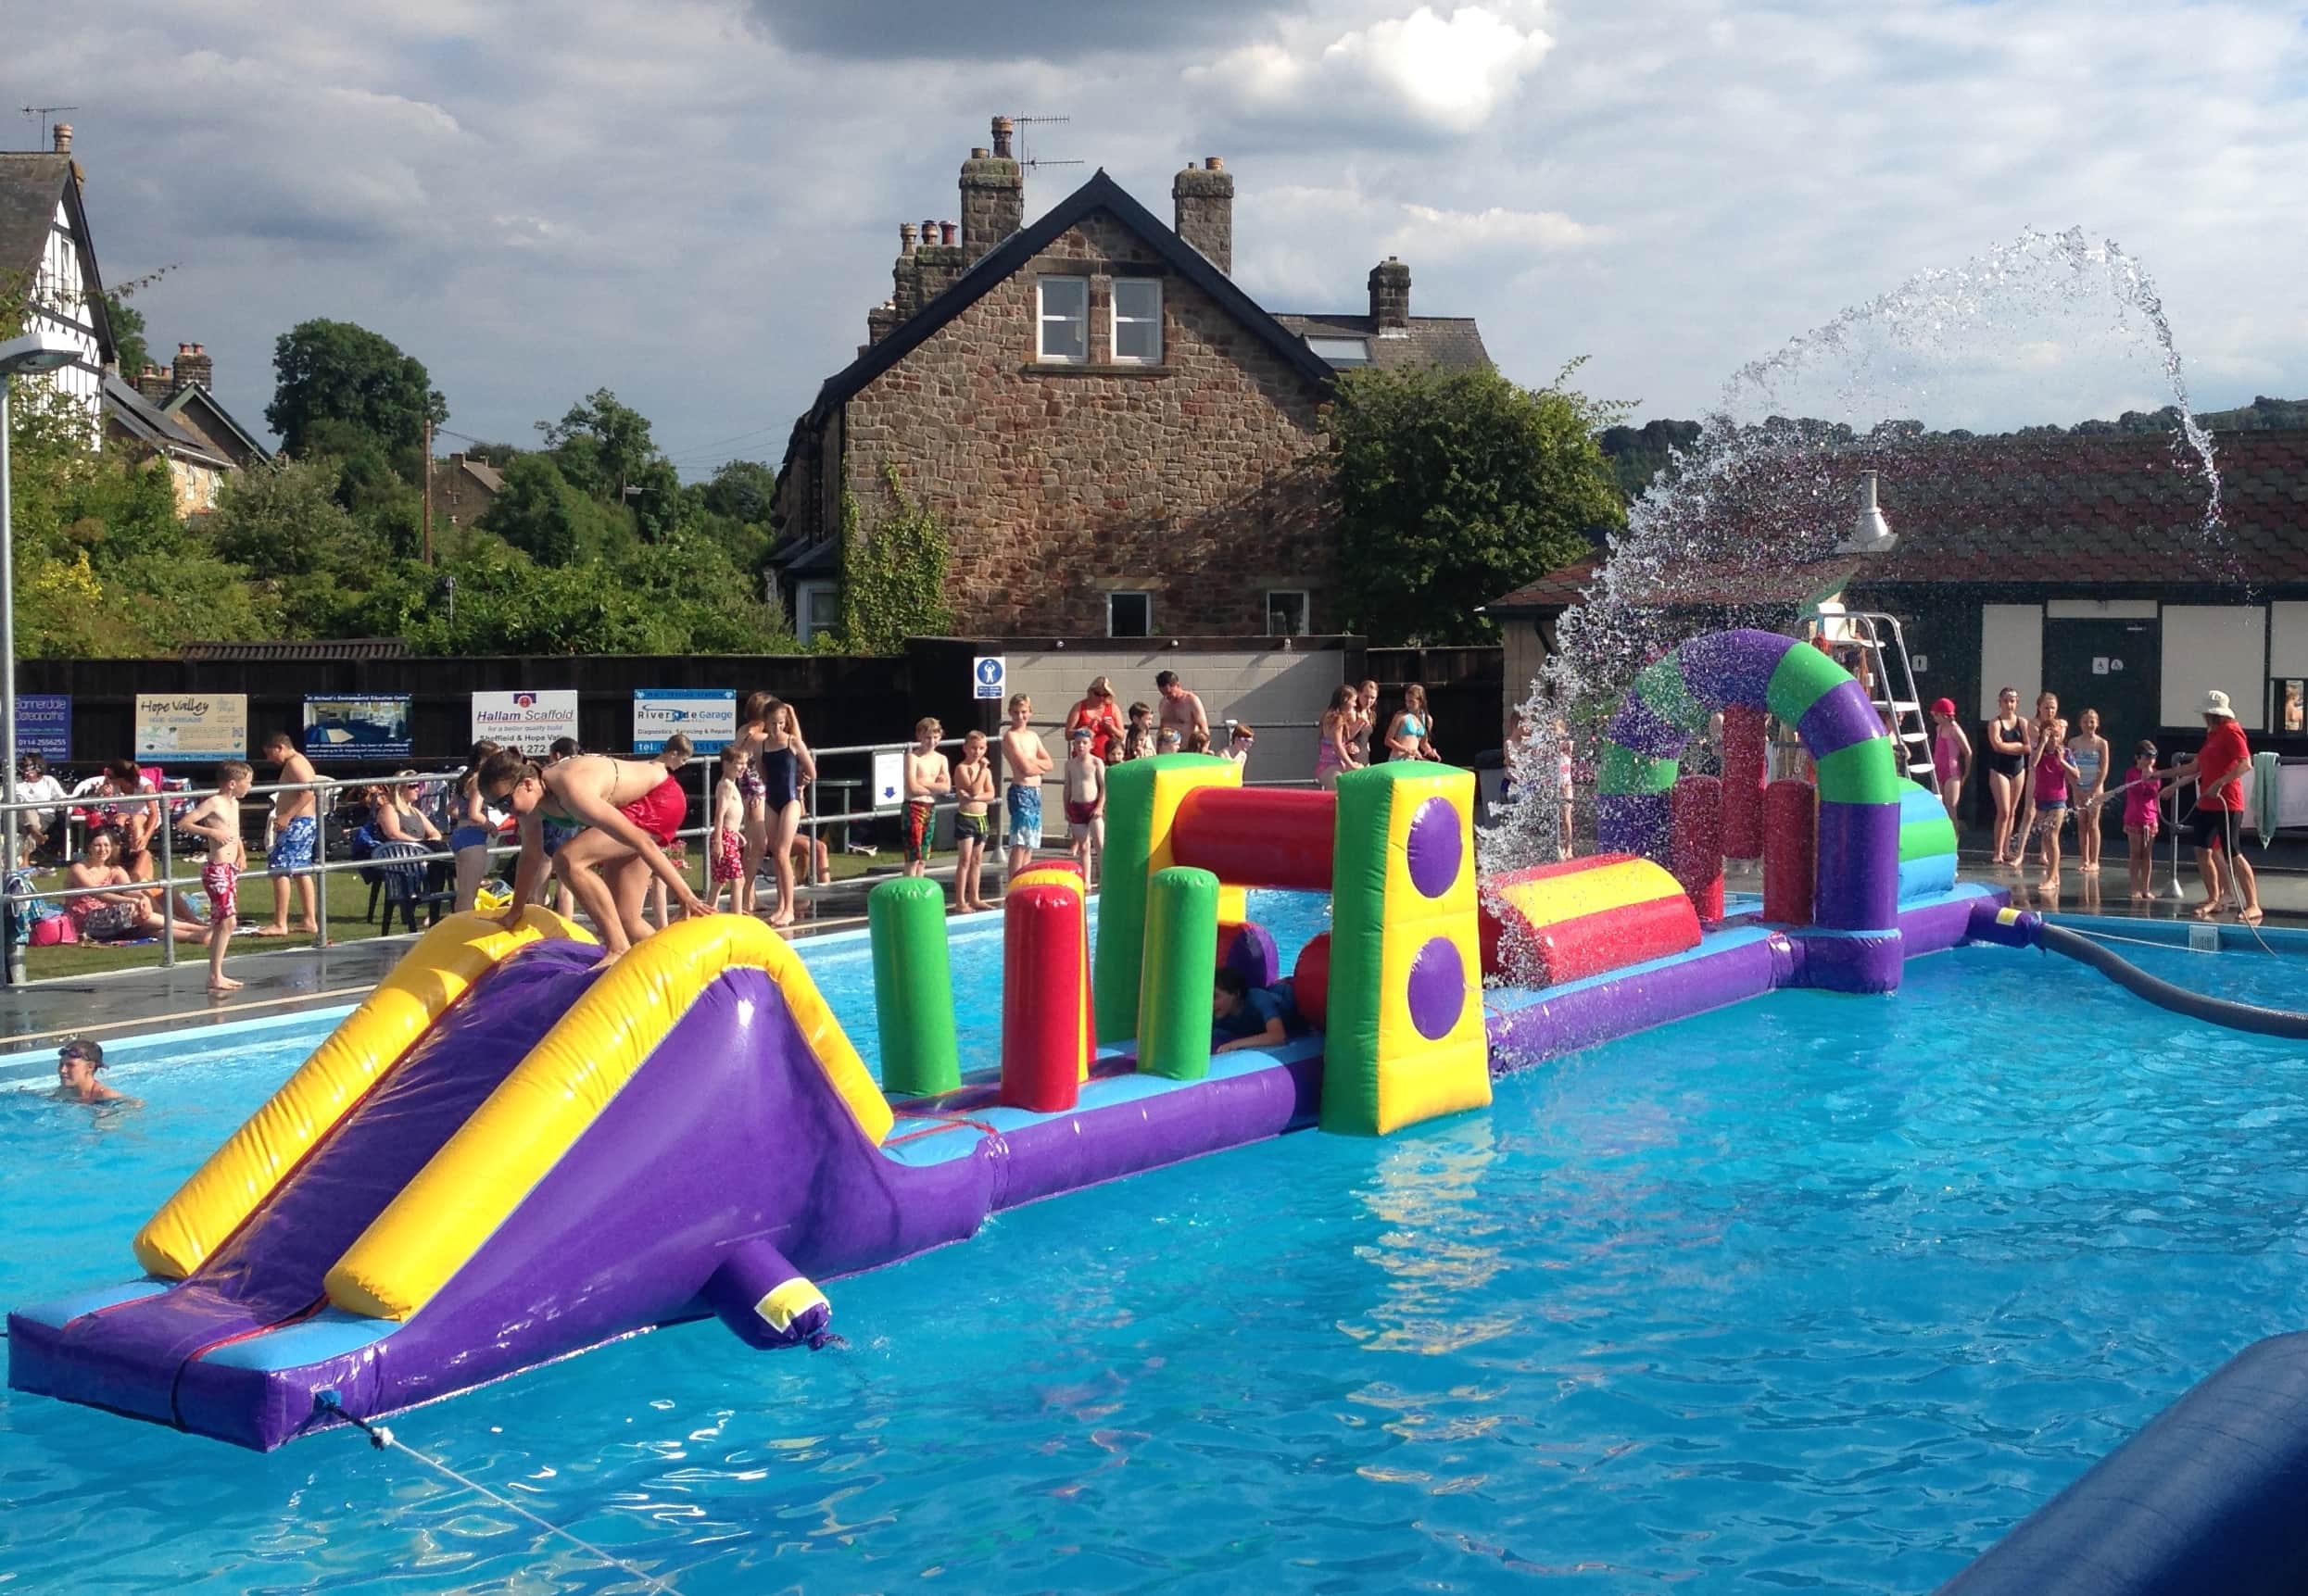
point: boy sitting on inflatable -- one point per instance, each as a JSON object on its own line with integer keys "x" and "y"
{"x": 627, "y": 813}
{"x": 1247, "y": 1016}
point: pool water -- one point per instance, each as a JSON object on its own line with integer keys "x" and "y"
{"x": 1817, "y": 1291}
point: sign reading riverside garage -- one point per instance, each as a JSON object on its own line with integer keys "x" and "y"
{"x": 191, "y": 728}
{"x": 707, "y": 716}
{"x": 524, "y": 720}
{"x": 371, "y": 726}
{"x": 43, "y": 725}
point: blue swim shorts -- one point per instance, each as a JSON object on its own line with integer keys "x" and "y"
{"x": 1024, "y": 816}
{"x": 293, "y": 846}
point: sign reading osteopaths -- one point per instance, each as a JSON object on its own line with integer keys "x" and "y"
{"x": 524, "y": 720}
{"x": 191, "y": 728}
{"x": 364, "y": 726}
{"x": 707, "y": 716}
{"x": 43, "y": 725}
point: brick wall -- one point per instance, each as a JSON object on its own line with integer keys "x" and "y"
{"x": 1198, "y": 480}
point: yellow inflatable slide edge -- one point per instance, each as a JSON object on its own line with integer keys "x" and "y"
{"x": 241, "y": 1174}
{"x": 524, "y": 1127}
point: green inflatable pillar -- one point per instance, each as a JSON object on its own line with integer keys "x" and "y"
{"x": 912, "y": 987}
{"x": 1182, "y": 965}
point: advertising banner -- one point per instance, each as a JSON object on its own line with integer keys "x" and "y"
{"x": 191, "y": 728}
{"x": 360, "y": 726}
{"x": 707, "y": 715}
{"x": 524, "y": 720}
{"x": 43, "y": 725}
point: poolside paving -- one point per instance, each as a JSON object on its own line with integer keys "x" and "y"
{"x": 282, "y": 981}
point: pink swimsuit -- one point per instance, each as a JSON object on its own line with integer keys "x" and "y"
{"x": 2140, "y": 801}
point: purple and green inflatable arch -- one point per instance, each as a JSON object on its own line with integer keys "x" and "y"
{"x": 1854, "y": 942}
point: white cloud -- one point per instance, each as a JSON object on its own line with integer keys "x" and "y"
{"x": 1446, "y": 73}
{"x": 1454, "y": 233}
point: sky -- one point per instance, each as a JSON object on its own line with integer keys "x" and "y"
{"x": 694, "y": 202}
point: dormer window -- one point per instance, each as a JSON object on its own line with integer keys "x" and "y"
{"x": 1342, "y": 352}
{"x": 1065, "y": 313}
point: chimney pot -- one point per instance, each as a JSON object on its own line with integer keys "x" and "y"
{"x": 1213, "y": 163}
{"x": 1003, "y": 129}
{"x": 63, "y": 136}
{"x": 947, "y": 232}
{"x": 978, "y": 152}
{"x": 905, "y": 238}
{"x": 183, "y": 349}
{"x": 930, "y": 230}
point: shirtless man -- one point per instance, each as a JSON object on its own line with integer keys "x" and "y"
{"x": 1029, "y": 763}
{"x": 1182, "y": 710}
{"x": 630, "y": 810}
{"x": 296, "y": 833}
{"x": 927, "y": 775}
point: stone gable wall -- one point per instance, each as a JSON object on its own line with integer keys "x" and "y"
{"x": 1199, "y": 481}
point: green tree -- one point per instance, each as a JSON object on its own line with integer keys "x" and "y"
{"x": 743, "y": 490}
{"x": 601, "y": 446}
{"x": 283, "y": 520}
{"x": 538, "y": 512}
{"x": 337, "y": 372}
{"x": 893, "y": 575}
{"x": 1456, "y": 487}
{"x": 128, "y": 334}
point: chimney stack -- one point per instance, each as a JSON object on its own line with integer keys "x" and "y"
{"x": 155, "y": 382}
{"x": 63, "y": 136}
{"x": 993, "y": 194}
{"x": 192, "y": 365}
{"x": 1389, "y": 296}
{"x": 1203, "y": 201}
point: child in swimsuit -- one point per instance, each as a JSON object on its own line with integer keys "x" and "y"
{"x": 2053, "y": 772}
{"x": 974, "y": 787}
{"x": 927, "y": 775}
{"x": 1028, "y": 761}
{"x": 2088, "y": 752}
{"x": 1085, "y": 800}
{"x": 2141, "y": 795}
{"x": 627, "y": 813}
{"x": 1950, "y": 755}
{"x": 216, "y": 820}
{"x": 728, "y": 840}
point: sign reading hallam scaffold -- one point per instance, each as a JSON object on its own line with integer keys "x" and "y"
{"x": 191, "y": 728}
{"x": 526, "y": 720}
{"x": 359, "y": 726}
{"x": 707, "y": 716}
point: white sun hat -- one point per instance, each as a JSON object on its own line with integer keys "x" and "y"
{"x": 2216, "y": 703}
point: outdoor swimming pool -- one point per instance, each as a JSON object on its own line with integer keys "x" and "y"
{"x": 1815, "y": 1290}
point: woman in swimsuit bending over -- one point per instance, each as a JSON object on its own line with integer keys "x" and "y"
{"x": 2005, "y": 755}
{"x": 628, "y": 809}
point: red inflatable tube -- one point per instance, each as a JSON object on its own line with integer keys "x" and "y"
{"x": 1310, "y": 982}
{"x": 1790, "y": 826}
{"x": 1257, "y": 837}
{"x": 1743, "y": 782}
{"x": 1612, "y": 938}
{"x": 1041, "y": 1016}
{"x": 1695, "y": 831}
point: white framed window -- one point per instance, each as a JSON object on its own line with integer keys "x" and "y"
{"x": 1065, "y": 313}
{"x": 1286, "y": 612}
{"x": 1129, "y": 614}
{"x": 816, "y": 609}
{"x": 1342, "y": 352}
{"x": 1136, "y": 320}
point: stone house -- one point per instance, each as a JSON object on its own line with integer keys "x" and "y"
{"x": 463, "y": 488}
{"x": 1114, "y": 439}
{"x": 171, "y": 413}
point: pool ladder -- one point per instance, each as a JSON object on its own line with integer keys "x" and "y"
{"x": 1890, "y": 679}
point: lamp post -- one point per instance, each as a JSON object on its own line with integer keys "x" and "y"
{"x": 33, "y": 352}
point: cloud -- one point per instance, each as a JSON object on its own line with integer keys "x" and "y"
{"x": 1455, "y": 232}
{"x": 992, "y": 30}
{"x": 1439, "y": 73}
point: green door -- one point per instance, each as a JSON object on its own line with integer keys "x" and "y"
{"x": 2114, "y": 667}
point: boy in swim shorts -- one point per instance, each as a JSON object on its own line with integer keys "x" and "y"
{"x": 974, "y": 787}
{"x": 296, "y": 836}
{"x": 216, "y": 820}
{"x": 927, "y": 775}
{"x": 1085, "y": 799}
{"x": 1029, "y": 763}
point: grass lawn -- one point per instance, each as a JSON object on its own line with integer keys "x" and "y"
{"x": 347, "y": 904}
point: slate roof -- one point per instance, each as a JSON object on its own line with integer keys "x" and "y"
{"x": 141, "y": 420}
{"x": 32, "y": 183}
{"x": 1730, "y": 585}
{"x": 2089, "y": 512}
{"x": 1451, "y": 342}
{"x": 193, "y": 393}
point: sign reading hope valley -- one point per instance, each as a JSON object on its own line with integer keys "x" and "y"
{"x": 524, "y": 720}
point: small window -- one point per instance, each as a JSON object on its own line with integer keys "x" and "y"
{"x": 1065, "y": 319}
{"x": 1129, "y": 614}
{"x": 1341, "y": 351}
{"x": 1137, "y": 321}
{"x": 1286, "y": 612}
{"x": 816, "y": 610}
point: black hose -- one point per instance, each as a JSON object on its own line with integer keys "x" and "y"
{"x": 2165, "y": 995}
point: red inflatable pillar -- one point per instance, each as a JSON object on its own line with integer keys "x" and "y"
{"x": 1790, "y": 826}
{"x": 1310, "y": 982}
{"x": 1695, "y": 831}
{"x": 1042, "y": 998}
{"x": 1743, "y": 782}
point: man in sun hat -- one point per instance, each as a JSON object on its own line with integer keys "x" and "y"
{"x": 2216, "y": 825}
{"x": 76, "y": 1063}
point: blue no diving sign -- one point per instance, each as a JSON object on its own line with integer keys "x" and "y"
{"x": 987, "y": 675}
